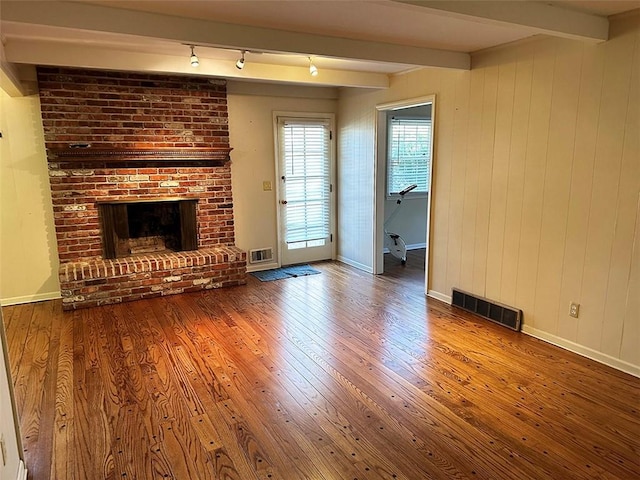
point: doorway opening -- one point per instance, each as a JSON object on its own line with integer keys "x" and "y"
{"x": 404, "y": 157}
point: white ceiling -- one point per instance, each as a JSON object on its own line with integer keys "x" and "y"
{"x": 381, "y": 21}
{"x": 353, "y": 42}
{"x": 389, "y": 21}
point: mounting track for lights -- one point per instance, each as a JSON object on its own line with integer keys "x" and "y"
{"x": 313, "y": 70}
{"x": 195, "y": 61}
{"x": 194, "y": 58}
{"x": 240, "y": 62}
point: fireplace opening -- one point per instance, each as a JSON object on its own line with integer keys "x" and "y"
{"x": 136, "y": 227}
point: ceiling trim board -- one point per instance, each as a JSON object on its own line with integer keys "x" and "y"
{"x": 10, "y": 77}
{"x": 9, "y": 82}
{"x": 241, "y": 87}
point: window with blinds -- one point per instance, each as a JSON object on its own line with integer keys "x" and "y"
{"x": 305, "y": 146}
{"x": 409, "y": 154}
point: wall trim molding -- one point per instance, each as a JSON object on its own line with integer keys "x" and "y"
{"x": 439, "y": 296}
{"x": 353, "y": 263}
{"x": 414, "y": 246}
{"x": 37, "y": 297}
{"x": 262, "y": 266}
{"x": 22, "y": 471}
{"x": 582, "y": 350}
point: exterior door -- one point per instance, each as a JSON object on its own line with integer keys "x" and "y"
{"x": 305, "y": 189}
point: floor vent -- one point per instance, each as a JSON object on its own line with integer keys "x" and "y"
{"x": 261, "y": 255}
{"x": 508, "y": 316}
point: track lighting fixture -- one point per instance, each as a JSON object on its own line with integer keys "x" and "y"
{"x": 194, "y": 58}
{"x": 313, "y": 70}
{"x": 240, "y": 62}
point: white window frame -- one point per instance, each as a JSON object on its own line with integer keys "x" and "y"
{"x": 389, "y": 164}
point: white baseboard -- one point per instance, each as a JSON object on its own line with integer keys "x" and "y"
{"x": 358, "y": 265}
{"x": 584, "y": 351}
{"x": 38, "y": 297}
{"x": 415, "y": 246}
{"x": 566, "y": 344}
{"x": 262, "y": 266}
{"x": 439, "y": 296}
{"x": 22, "y": 471}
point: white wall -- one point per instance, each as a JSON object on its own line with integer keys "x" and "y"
{"x": 536, "y": 184}
{"x": 251, "y": 135}
{"x": 356, "y": 173}
{"x": 411, "y": 221}
{"x": 28, "y": 249}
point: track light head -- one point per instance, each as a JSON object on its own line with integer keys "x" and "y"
{"x": 240, "y": 62}
{"x": 313, "y": 70}
{"x": 194, "y": 58}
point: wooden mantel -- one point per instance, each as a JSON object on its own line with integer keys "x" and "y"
{"x": 171, "y": 156}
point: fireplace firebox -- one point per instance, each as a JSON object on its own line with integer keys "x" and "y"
{"x": 140, "y": 227}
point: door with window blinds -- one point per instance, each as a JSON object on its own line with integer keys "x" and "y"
{"x": 305, "y": 189}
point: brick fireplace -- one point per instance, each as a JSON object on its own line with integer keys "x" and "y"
{"x": 120, "y": 145}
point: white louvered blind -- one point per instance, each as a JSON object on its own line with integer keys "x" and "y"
{"x": 409, "y": 154}
{"x": 305, "y": 145}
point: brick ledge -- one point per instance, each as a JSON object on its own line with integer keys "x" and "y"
{"x": 91, "y": 269}
{"x": 95, "y": 281}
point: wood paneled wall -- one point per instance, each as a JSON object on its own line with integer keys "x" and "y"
{"x": 356, "y": 174}
{"x": 537, "y": 183}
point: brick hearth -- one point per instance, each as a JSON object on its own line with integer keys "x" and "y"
{"x": 113, "y": 110}
{"x": 96, "y": 282}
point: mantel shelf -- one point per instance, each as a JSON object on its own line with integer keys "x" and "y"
{"x": 169, "y": 156}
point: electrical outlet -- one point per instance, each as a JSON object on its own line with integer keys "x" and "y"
{"x": 574, "y": 309}
{"x": 266, "y": 186}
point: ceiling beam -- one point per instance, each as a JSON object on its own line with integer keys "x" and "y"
{"x": 46, "y": 52}
{"x": 543, "y": 17}
{"x": 215, "y": 34}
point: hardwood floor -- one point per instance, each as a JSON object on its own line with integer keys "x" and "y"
{"x": 341, "y": 375}
{"x": 411, "y": 275}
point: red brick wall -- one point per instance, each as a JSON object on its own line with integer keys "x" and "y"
{"x": 75, "y": 192}
{"x": 127, "y": 110}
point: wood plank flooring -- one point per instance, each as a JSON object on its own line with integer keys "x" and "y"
{"x": 341, "y": 375}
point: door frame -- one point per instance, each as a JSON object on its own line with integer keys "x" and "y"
{"x": 380, "y": 180}
{"x": 331, "y": 117}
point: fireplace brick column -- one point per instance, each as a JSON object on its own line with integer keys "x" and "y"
{"x": 116, "y": 110}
